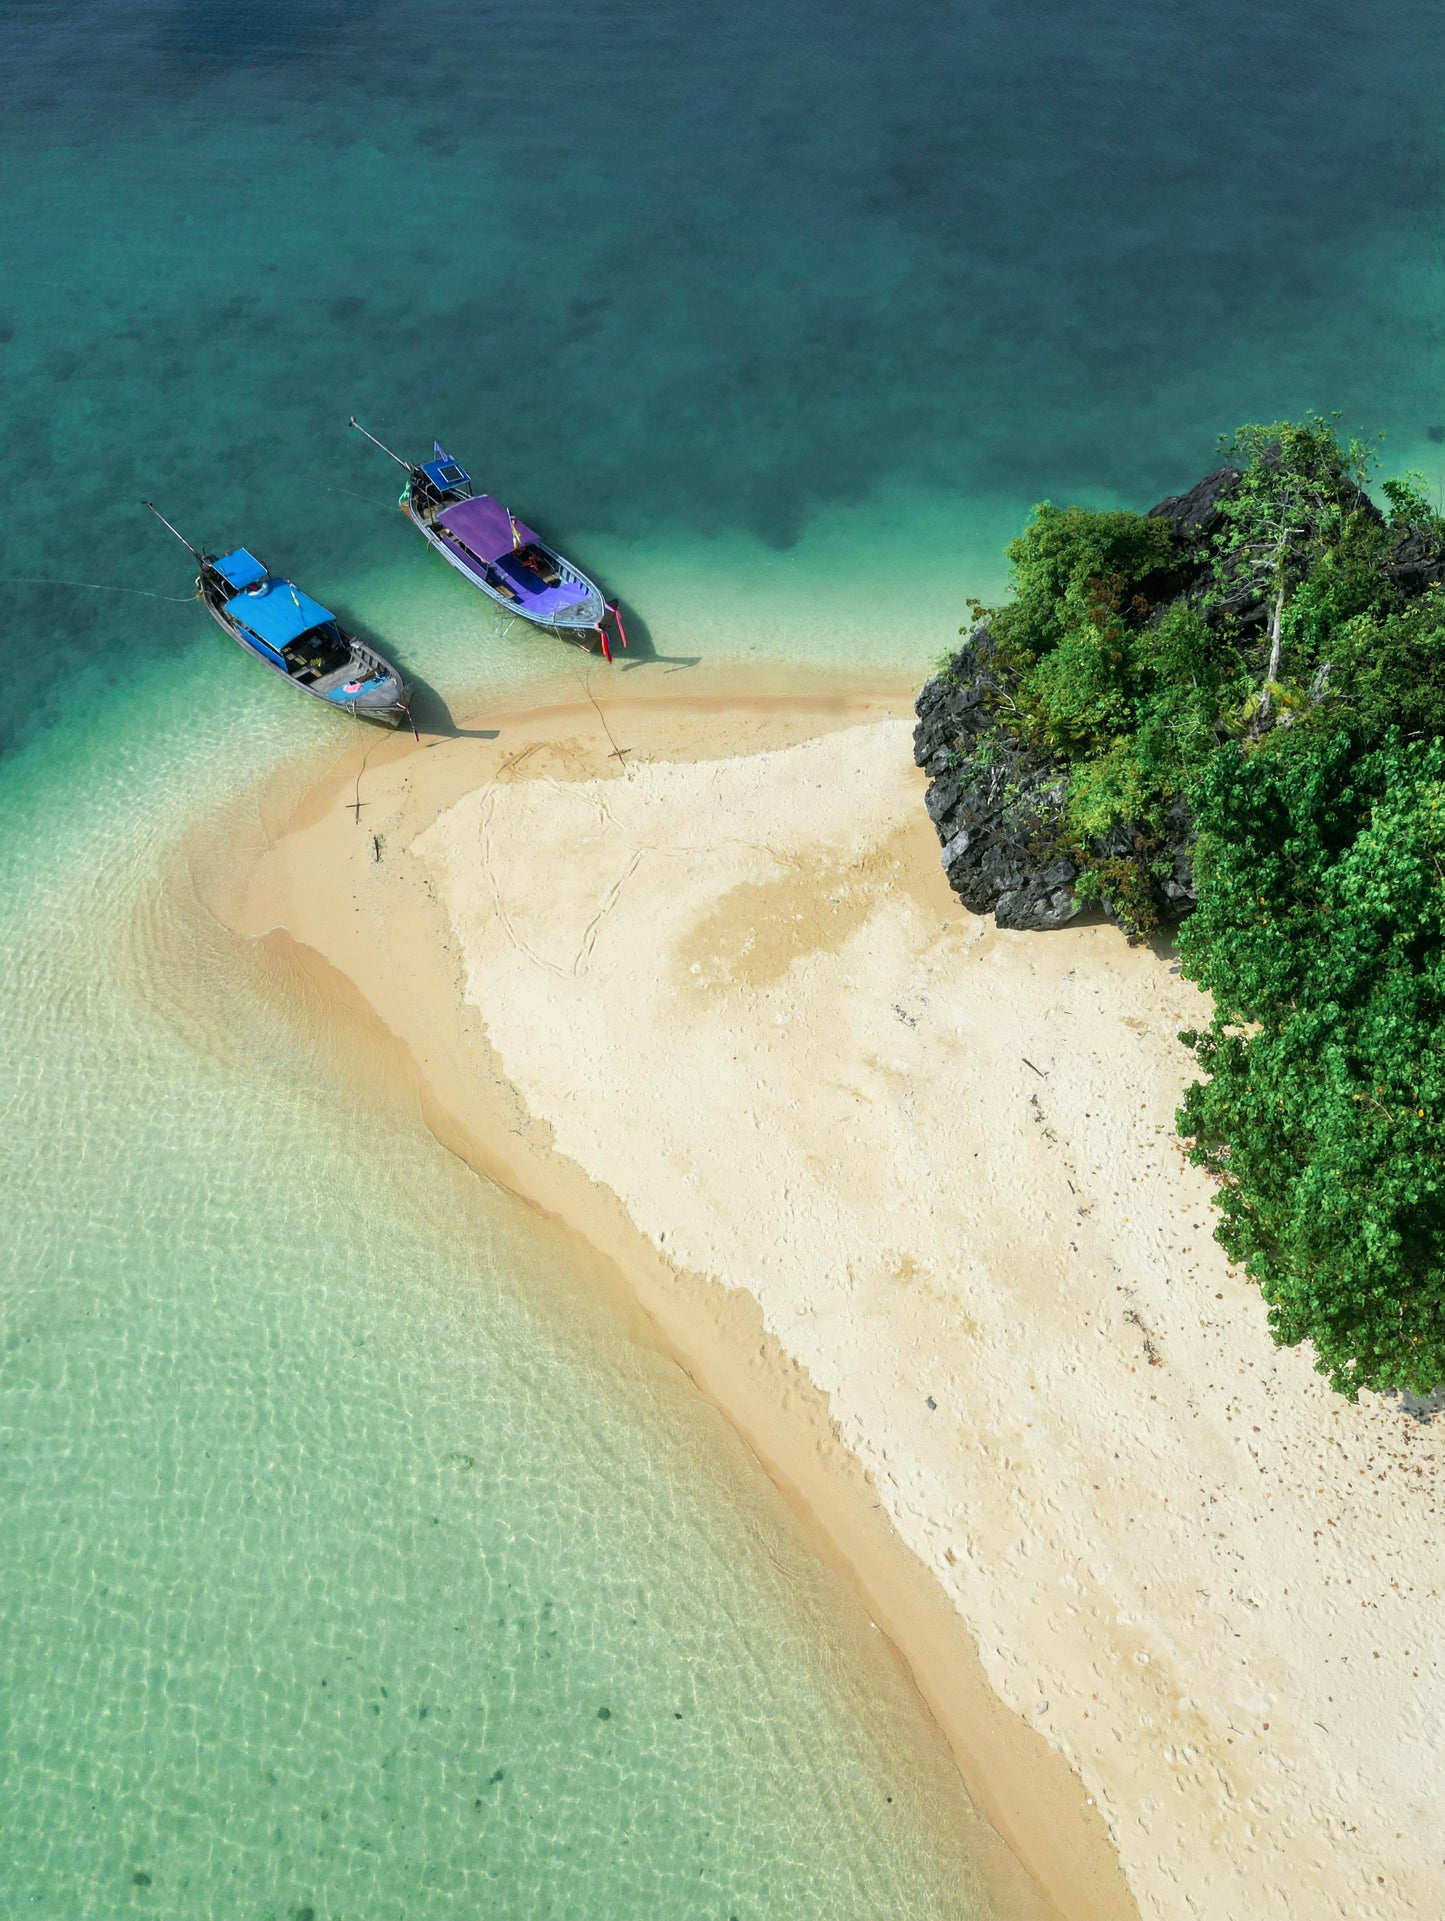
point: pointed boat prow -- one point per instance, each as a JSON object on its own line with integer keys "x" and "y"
{"x": 486, "y": 543}
{"x": 295, "y": 636}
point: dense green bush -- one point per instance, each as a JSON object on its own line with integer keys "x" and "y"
{"x": 1123, "y": 693}
{"x": 1287, "y": 682}
{"x": 1320, "y": 933}
{"x": 1133, "y": 683}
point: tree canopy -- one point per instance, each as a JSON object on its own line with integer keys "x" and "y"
{"x": 1283, "y": 680}
{"x": 1320, "y": 934}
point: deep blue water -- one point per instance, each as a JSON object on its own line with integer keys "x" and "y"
{"x": 676, "y": 274}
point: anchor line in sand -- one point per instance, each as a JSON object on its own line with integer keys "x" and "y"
{"x": 618, "y": 753}
{"x": 357, "y": 803}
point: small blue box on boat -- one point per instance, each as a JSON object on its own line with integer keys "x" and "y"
{"x": 240, "y": 568}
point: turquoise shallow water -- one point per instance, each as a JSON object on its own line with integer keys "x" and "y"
{"x": 332, "y": 1516}
{"x": 354, "y": 1562}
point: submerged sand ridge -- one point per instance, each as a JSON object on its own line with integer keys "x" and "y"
{"x": 734, "y": 990}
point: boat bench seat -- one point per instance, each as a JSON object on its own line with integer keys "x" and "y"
{"x": 521, "y": 575}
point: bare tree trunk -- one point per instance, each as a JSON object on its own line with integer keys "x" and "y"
{"x": 1271, "y": 673}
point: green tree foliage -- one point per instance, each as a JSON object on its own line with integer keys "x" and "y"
{"x": 1288, "y": 688}
{"x": 1133, "y": 684}
{"x": 1320, "y": 933}
{"x": 1387, "y": 670}
{"x": 1109, "y": 675}
{"x": 1065, "y": 563}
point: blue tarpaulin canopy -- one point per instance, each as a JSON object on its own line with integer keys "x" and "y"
{"x": 279, "y": 613}
{"x": 240, "y": 568}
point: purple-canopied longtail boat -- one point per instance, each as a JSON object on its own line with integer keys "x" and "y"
{"x": 295, "y": 636}
{"x": 495, "y": 551}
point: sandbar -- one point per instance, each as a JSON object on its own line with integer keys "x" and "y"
{"x": 902, "y": 1192}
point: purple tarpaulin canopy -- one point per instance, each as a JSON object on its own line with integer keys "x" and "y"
{"x": 483, "y": 527}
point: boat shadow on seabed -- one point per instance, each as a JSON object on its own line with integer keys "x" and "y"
{"x": 642, "y": 653}
{"x": 434, "y": 719}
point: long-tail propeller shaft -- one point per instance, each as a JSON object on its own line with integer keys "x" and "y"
{"x": 175, "y": 530}
{"x": 380, "y": 443}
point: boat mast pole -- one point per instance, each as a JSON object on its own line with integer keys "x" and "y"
{"x": 195, "y": 552}
{"x": 378, "y": 443}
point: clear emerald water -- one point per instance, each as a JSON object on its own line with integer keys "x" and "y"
{"x": 332, "y": 1515}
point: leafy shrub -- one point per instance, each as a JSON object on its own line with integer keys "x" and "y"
{"x": 1320, "y": 933}
{"x": 1292, "y": 692}
{"x": 1059, "y": 565}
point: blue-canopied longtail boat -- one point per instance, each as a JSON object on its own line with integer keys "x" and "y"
{"x": 295, "y": 636}
{"x": 495, "y": 551}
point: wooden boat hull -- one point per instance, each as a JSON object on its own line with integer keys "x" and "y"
{"x": 480, "y": 538}
{"x": 387, "y": 702}
{"x": 577, "y": 619}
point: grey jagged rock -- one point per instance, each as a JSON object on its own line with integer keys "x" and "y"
{"x": 997, "y": 807}
{"x": 998, "y": 804}
{"x": 1417, "y": 564}
{"x": 1194, "y": 518}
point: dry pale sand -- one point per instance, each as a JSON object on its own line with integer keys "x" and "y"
{"x": 723, "y": 1014}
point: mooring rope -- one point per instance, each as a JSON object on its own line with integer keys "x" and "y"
{"x": 618, "y": 751}
{"x": 99, "y": 586}
{"x": 382, "y": 506}
{"x": 359, "y": 803}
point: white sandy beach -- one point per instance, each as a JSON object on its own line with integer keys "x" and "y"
{"x": 722, "y": 978}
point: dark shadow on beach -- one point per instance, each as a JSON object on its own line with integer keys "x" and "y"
{"x": 641, "y": 651}
{"x": 1163, "y": 943}
{"x": 1420, "y": 1408}
{"x": 432, "y": 717}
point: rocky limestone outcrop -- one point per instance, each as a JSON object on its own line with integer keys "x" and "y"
{"x": 1417, "y": 564}
{"x": 1194, "y": 518}
{"x": 994, "y": 805}
{"x": 997, "y": 805}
